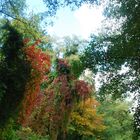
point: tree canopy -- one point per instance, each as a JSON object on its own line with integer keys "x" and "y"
{"x": 44, "y": 92}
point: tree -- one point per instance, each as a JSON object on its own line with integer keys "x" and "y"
{"x": 60, "y": 97}
{"x": 85, "y": 121}
{"x": 130, "y": 46}
{"x": 15, "y": 10}
{"x": 53, "y": 6}
{"x": 40, "y": 65}
{"x": 12, "y": 8}
{"x": 117, "y": 119}
{"x": 113, "y": 51}
{"x": 14, "y": 71}
{"x": 72, "y": 50}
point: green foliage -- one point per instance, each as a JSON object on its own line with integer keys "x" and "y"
{"x": 28, "y": 134}
{"x": 9, "y": 131}
{"x": 12, "y": 132}
{"x": 76, "y": 65}
{"x": 29, "y": 27}
{"x": 12, "y": 8}
{"x": 127, "y": 45}
{"x": 53, "y": 6}
{"x": 112, "y": 51}
{"x": 72, "y": 51}
{"x": 137, "y": 122}
{"x": 14, "y": 71}
{"x": 117, "y": 119}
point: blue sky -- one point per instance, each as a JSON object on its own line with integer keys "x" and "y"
{"x": 81, "y": 22}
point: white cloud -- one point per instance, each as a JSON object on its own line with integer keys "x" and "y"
{"x": 89, "y": 19}
{"x": 81, "y": 22}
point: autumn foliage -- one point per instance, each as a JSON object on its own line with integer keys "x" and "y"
{"x": 60, "y": 97}
{"x": 40, "y": 65}
{"x": 85, "y": 121}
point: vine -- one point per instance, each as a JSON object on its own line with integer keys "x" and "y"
{"x": 40, "y": 63}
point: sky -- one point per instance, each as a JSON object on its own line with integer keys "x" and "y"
{"x": 81, "y": 22}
